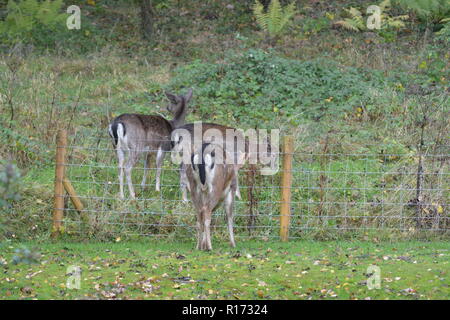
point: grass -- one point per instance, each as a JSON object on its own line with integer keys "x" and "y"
{"x": 254, "y": 270}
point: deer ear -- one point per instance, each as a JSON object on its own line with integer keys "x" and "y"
{"x": 172, "y": 97}
{"x": 209, "y": 161}
{"x": 194, "y": 159}
{"x": 188, "y": 95}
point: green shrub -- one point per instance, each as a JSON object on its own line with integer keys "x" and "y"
{"x": 33, "y": 21}
{"x": 9, "y": 179}
{"x": 427, "y": 10}
{"x": 444, "y": 33}
{"x": 261, "y": 89}
{"x": 9, "y": 186}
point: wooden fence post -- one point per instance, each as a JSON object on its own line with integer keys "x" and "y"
{"x": 286, "y": 184}
{"x": 58, "y": 209}
{"x": 75, "y": 199}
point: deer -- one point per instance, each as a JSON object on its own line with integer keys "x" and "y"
{"x": 212, "y": 180}
{"x": 218, "y": 132}
{"x": 137, "y": 134}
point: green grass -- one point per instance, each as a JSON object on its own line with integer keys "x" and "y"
{"x": 254, "y": 270}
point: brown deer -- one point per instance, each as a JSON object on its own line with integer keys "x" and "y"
{"x": 211, "y": 180}
{"x": 210, "y": 132}
{"x": 135, "y": 134}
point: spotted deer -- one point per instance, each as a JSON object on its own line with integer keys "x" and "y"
{"x": 216, "y": 132}
{"x": 212, "y": 180}
{"x": 137, "y": 134}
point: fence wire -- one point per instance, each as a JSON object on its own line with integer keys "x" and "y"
{"x": 331, "y": 194}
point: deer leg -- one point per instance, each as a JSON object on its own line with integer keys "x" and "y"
{"x": 199, "y": 235}
{"x": 159, "y": 160}
{"x": 203, "y": 240}
{"x": 207, "y": 232}
{"x": 146, "y": 164}
{"x": 229, "y": 202}
{"x": 238, "y": 192}
{"x": 184, "y": 184}
{"x": 200, "y": 229}
{"x": 121, "y": 158}
{"x": 132, "y": 159}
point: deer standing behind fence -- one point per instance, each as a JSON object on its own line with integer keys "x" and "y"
{"x": 210, "y": 132}
{"x": 135, "y": 134}
{"x": 233, "y": 141}
{"x": 212, "y": 180}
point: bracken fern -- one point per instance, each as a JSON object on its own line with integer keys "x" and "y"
{"x": 427, "y": 10}
{"x": 356, "y": 21}
{"x": 276, "y": 19}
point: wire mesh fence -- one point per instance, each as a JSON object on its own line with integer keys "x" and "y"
{"x": 332, "y": 194}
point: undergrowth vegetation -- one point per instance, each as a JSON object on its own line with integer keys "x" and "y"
{"x": 261, "y": 89}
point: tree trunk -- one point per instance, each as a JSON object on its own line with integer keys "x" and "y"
{"x": 147, "y": 18}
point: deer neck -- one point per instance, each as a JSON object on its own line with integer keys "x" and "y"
{"x": 180, "y": 115}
